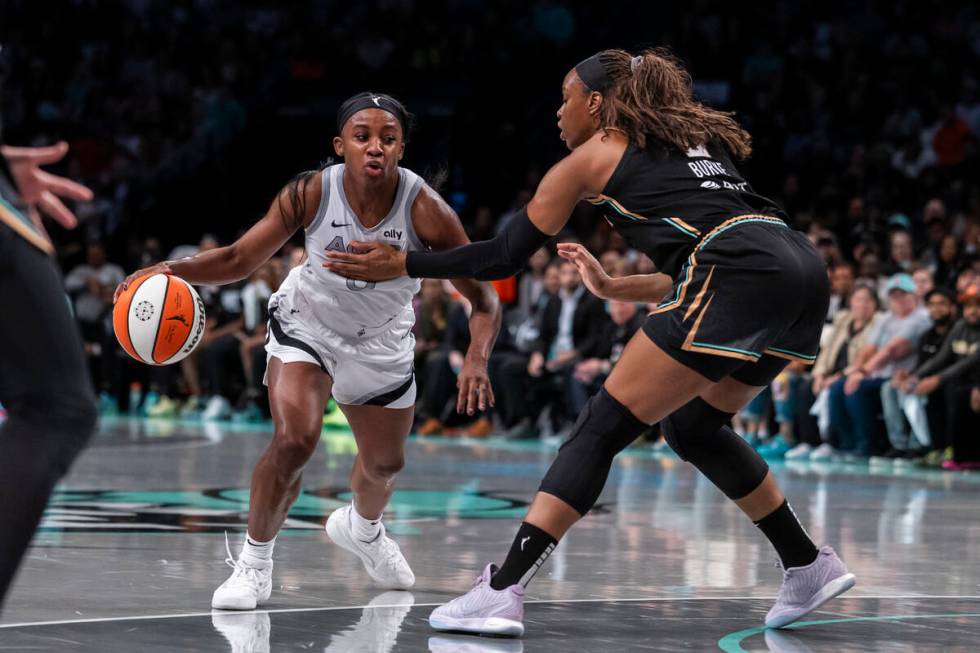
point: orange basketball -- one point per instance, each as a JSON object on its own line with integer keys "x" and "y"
{"x": 159, "y": 319}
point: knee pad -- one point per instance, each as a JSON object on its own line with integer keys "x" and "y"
{"x": 603, "y": 429}
{"x": 699, "y": 433}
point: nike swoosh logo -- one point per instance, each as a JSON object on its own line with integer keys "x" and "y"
{"x": 524, "y": 541}
{"x": 335, "y": 225}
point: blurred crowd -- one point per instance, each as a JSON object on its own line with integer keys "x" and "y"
{"x": 897, "y": 379}
{"x": 865, "y": 120}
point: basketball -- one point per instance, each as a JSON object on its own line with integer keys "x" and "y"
{"x": 159, "y": 319}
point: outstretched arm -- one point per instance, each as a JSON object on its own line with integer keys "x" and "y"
{"x": 583, "y": 173}
{"x": 640, "y": 288}
{"x": 439, "y": 227}
{"x": 294, "y": 206}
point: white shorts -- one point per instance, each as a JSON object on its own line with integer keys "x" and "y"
{"x": 378, "y": 371}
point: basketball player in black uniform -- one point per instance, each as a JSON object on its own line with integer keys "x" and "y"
{"x": 44, "y": 382}
{"x": 749, "y": 295}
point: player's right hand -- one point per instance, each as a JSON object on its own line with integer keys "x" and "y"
{"x": 159, "y": 268}
{"x": 593, "y": 276}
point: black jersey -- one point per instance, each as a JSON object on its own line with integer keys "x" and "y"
{"x": 664, "y": 201}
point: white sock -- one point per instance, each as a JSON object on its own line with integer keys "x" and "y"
{"x": 366, "y": 530}
{"x": 255, "y": 553}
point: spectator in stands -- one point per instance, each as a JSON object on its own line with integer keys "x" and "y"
{"x": 572, "y": 327}
{"x": 255, "y": 316}
{"x": 626, "y": 319}
{"x": 828, "y": 248}
{"x": 923, "y": 281}
{"x": 869, "y": 270}
{"x": 911, "y": 436}
{"x": 438, "y": 406}
{"x": 218, "y": 357}
{"x": 784, "y": 392}
{"x": 841, "y": 287}
{"x": 849, "y": 336}
{"x": 967, "y": 277}
{"x": 855, "y": 399}
{"x": 87, "y": 284}
{"x": 508, "y": 372}
{"x": 956, "y": 368}
{"x": 948, "y": 261}
{"x": 901, "y": 255}
{"x": 934, "y": 219}
{"x": 531, "y": 282}
{"x": 432, "y": 311}
{"x": 207, "y": 243}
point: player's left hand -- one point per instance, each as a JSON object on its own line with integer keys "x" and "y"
{"x": 43, "y": 189}
{"x": 370, "y": 261}
{"x": 473, "y": 382}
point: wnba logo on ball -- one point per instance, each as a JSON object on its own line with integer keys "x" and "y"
{"x": 143, "y": 311}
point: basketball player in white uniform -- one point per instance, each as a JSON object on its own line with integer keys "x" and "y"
{"x": 328, "y": 335}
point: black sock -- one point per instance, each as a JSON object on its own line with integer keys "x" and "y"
{"x": 784, "y": 531}
{"x": 530, "y": 549}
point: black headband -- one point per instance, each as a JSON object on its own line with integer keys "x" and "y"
{"x": 372, "y": 101}
{"x": 593, "y": 74}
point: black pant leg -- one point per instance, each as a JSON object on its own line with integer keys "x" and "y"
{"x": 45, "y": 387}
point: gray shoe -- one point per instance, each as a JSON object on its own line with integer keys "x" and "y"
{"x": 805, "y": 589}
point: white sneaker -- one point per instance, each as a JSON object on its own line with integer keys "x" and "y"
{"x": 801, "y": 451}
{"x": 246, "y": 633}
{"x": 246, "y": 588}
{"x": 382, "y": 558}
{"x": 824, "y": 452}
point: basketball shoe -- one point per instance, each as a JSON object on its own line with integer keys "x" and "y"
{"x": 483, "y": 609}
{"x": 805, "y": 589}
{"x": 382, "y": 557}
{"x": 248, "y": 586}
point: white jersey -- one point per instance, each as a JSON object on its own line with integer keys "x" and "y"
{"x": 356, "y": 310}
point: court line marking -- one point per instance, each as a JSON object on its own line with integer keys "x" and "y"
{"x": 732, "y": 642}
{"x": 333, "y": 608}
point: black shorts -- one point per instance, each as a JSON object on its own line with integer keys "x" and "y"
{"x": 751, "y": 297}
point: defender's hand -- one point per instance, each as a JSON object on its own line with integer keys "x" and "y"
{"x": 43, "y": 189}
{"x": 593, "y": 276}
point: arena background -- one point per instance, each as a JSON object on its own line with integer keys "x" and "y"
{"x": 187, "y": 117}
{"x": 202, "y": 110}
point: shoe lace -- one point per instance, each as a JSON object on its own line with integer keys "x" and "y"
{"x": 481, "y": 579}
{"x": 243, "y": 572}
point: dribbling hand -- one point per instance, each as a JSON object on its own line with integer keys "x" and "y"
{"x": 159, "y": 268}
